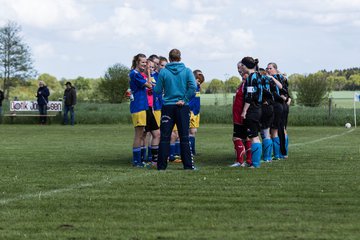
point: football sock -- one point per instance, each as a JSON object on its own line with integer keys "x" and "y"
{"x": 192, "y": 144}
{"x": 267, "y": 149}
{"x": 143, "y": 153}
{"x": 276, "y": 147}
{"x": 239, "y": 150}
{"x": 256, "y": 151}
{"x": 149, "y": 154}
{"x": 155, "y": 152}
{"x": 136, "y": 156}
{"x": 248, "y": 151}
{"x": 172, "y": 152}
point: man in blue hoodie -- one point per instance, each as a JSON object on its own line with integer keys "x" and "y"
{"x": 177, "y": 83}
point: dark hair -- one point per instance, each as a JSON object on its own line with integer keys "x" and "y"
{"x": 198, "y": 74}
{"x": 153, "y": 56}
{"x": 161, "y": 58}
{"x": 250, "y": 63}
{"x": 136, "y": 60}
{"x": 175, "y": 55}
{"x": 262, "y": 71}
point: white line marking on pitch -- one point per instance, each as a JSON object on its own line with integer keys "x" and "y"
{"x": 322, "y": 139}
{"x": 68, "y": 189}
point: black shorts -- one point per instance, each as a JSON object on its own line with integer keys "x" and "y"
{"x": 278, "y": 115}
{"x": 239, "y": 131}
{"x": 285, "y": 114}
{"x": 267, "y": 116}
{"x": 151, "y": 124}
{"x": 252, "y": 122}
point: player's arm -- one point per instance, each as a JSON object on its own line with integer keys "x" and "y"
{"x": 246, "y": 107}
{"x": 191, "y": 86}
{"x": 278, "y": 83}
{"x": 159, "y": 84}
{"x": 141, "y": 81}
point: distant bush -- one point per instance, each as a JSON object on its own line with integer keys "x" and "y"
{"x": 313, "y": 90}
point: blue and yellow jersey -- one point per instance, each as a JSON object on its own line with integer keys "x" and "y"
{"x": 157, "y": 97}
{"x": 137, "y": 82}
{"x": 194, "y": 102}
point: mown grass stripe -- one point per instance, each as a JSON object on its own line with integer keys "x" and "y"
{"x": 71, "y": 188}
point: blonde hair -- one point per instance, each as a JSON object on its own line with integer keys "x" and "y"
{"x": 42, "y": 82}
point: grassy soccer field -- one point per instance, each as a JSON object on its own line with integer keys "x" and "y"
{"x": 60, "y": 182}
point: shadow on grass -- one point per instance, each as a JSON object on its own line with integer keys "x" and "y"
{"x": 218, "y": 160}
{"x": 119, "y": 160}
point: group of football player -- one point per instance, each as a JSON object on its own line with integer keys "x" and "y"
{"x": 261, "y": 107}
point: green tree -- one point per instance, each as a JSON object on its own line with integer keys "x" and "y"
{"x": 336, "y": 83}
{"x": 354, "y": 81}
{"x": 313, "y": 90}
{"x": 115, "y": 83}
{"x": 232, "y": 84}
{"x": 16, "y": 64}
{"x": 82, "y": 83}
{"x": 294, "y": 80}
{"x": 204, "y": 87}
{"x": 215, "y": 86}
{"x": 50, "y": 81}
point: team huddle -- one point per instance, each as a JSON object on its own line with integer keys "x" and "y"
{"x": 163, "y": 96}
{"x": 165, "y": 110}
{"x": 261, "y": 105}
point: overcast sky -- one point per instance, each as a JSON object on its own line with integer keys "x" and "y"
{"x": 71, "y": 38}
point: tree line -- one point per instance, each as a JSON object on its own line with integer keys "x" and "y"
{"x": 18, "y": 78}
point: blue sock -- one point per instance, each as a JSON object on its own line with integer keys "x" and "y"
{"x": 149, "y": 154}
{"x": 136, "y": 156}
{"x": 143, "y": 153}
{"x": 267, "y": 149}
{"x": 276, "y": 147}
{"x": 287, "y": 144}
{"x": 256, "y": 151}
{"x": 172, "y": 152}
{"x": 177, "y": 148}
{"x": 192, "y": 144}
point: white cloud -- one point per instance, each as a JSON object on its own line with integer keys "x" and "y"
{"x": 43, "y": 51}
{"x": 90, "y": 32}
{"x": 67, "y": 34}
{"x": 181, "y": 4}
{"x": 316, "y": 12}
{"x": 200, "y": 6}
{"x": 243, "y": 39}
{"x": 43, "y": 13}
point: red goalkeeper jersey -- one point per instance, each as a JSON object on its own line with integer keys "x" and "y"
{"x": 238, "y": 104}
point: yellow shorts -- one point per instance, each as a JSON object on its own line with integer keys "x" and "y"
{"x": 175, "y": 128}
{"x": 139, "y": 119}
{"x": 194, "y": 120}
{"x": 157, "y": 115}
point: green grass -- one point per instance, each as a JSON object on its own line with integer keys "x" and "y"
{"x": 60, "y": 182}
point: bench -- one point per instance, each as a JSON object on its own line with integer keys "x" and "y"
{"x": 30, "y": 109}
{"x": 14, "y": 115}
